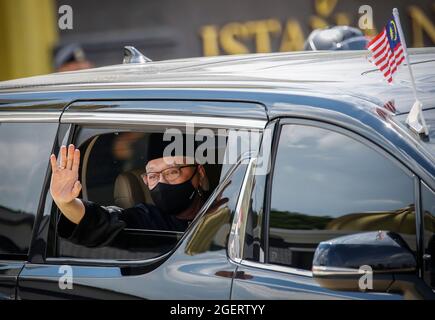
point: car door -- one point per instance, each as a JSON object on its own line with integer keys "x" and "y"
{"x": 191, "y": 265}
{"x": 324, "y": 182}
{"x": 25, "y": 144}
{"x": 428, "y": 208}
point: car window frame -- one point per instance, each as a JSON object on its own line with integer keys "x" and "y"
{"x": 325, "y": 124}
{"x": 90, "y": 133}
{"x": 139, "y": 118}
{"x": 42, "y": 117}
{"x": 427, "y": 259}
{"x": 185, "y": 235}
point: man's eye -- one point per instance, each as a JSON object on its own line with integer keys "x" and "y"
{"x": 153, "y": 177}
{"x": 172, "y": 172}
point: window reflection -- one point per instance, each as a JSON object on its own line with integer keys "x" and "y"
{"x": 428, "y": 197}
{"x": 212, "y": 231}
{"x": 326, "y": 185}
{"x": 25, "y": 150}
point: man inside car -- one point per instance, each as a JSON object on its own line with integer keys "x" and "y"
{"x": 177, "y": 187}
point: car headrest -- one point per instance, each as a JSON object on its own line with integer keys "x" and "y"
{"x": 130, "y": 190}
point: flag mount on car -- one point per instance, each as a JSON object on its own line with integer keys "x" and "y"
{"x": 388, "y": 51}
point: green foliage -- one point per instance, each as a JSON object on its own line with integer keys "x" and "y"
{"x": 298, "y": 221}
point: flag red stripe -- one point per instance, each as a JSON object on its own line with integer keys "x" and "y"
{"x": 376, "y": 38}
{"x": 382, "y": 50}
{"x": 380, "y": 45}
{"x": 386, "y": 58}
{"x": 387, "y": 106}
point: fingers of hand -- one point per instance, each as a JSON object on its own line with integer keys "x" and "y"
{"x": 77, "y": 187}
{"x": 53, "y": 162}
{"x": 63, "y": 158}
{"x": 76, "y": 161}
{"x": 67, "y": 158}
{"x": 70, "y": 157}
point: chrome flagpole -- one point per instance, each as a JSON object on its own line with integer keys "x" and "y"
{"x": 416, "y": 111}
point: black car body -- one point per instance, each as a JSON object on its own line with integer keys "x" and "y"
{"x": 341, "y": 164}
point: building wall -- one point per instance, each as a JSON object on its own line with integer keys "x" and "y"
{"x": 173, "y": 29}
{"x": 166, "y": 29}
{"x": 27, "y": 35}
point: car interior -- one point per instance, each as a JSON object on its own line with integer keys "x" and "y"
{"x": 110, "y": 173}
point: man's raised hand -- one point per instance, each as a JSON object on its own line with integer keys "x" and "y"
{"x": 65, "y": 185}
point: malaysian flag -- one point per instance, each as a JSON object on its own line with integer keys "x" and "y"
{"x": 387, "y": 50}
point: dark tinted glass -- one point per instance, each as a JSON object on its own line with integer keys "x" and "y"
{"x": 24, "y": 157}
{"x": 109, "y": 156}
{"x": 428, "y": 197}
{"x": 111, "y": 167}
{"x": 429, "y": 116}
{"x": 212, "y": 231}
{"x": 326, "y": 185}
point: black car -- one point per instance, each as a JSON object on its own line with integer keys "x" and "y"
{"x": 332, "y": 199}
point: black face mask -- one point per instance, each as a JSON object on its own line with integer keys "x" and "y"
{"x": 173, "y": 198}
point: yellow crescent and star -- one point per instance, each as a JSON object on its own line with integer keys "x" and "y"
{"x": 393, "y": 30}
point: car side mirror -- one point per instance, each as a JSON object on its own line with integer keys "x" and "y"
{"x": 370, "y": 261}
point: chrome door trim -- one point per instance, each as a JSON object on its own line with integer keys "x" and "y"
{"x": 236, "y": 239}
{"x": 86, "y": 262}
{"x": 79, "y": 117}
{"x": 29, "y": 116}
{"x": 321, "y": 271}
{"x": 278, "y": 268}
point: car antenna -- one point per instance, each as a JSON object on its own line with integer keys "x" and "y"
{"x": 132, "y": 55}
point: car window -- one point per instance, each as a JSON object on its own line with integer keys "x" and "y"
{"x": 213, "y": 228}
{"x": 325, "y": 185}
{"x": 107, "y": 157}
{"x": 110, "y": 171}
{"x": 24, "y": 148}
{"x": 429, "y": 116}
{"x": 428, "y": 199}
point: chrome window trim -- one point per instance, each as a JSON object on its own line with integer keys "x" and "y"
{"x": 175, "y": 233}
{"x": 327, "y": 271}
{"x": 86, "y": 262}
{"x": 236, "y": 239}
{"x": 359, "y": 138}
{"x": 12, "y": 261}
{"x": 160, "y": 120}
{"x": 277, "y": 268}
{"x": 419, "y": 225}
{"x": 83, "y": 262}
{"x": 321, "y": 271}
{"x": 29, "y": 116}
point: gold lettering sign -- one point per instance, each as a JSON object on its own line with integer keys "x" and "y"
{"x": 420, "y": 23}
{"x": 293, "y": 37}
{"x": 262, "y": 30}
{"x": 230, "y": 38}
{"x": 324, "y": 7}
{"x": 236, "y": 37}
{"x": 209, "y": 36}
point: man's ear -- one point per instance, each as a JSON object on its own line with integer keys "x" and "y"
{"x": 203, "y": 180}
{"x": 201, "y": 172}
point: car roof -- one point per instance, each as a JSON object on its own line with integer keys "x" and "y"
{"x": 324, "y": 72}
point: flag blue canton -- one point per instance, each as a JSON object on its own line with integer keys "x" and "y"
{"x": 392, "y": 34}
{"x": 387, "y": 50}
